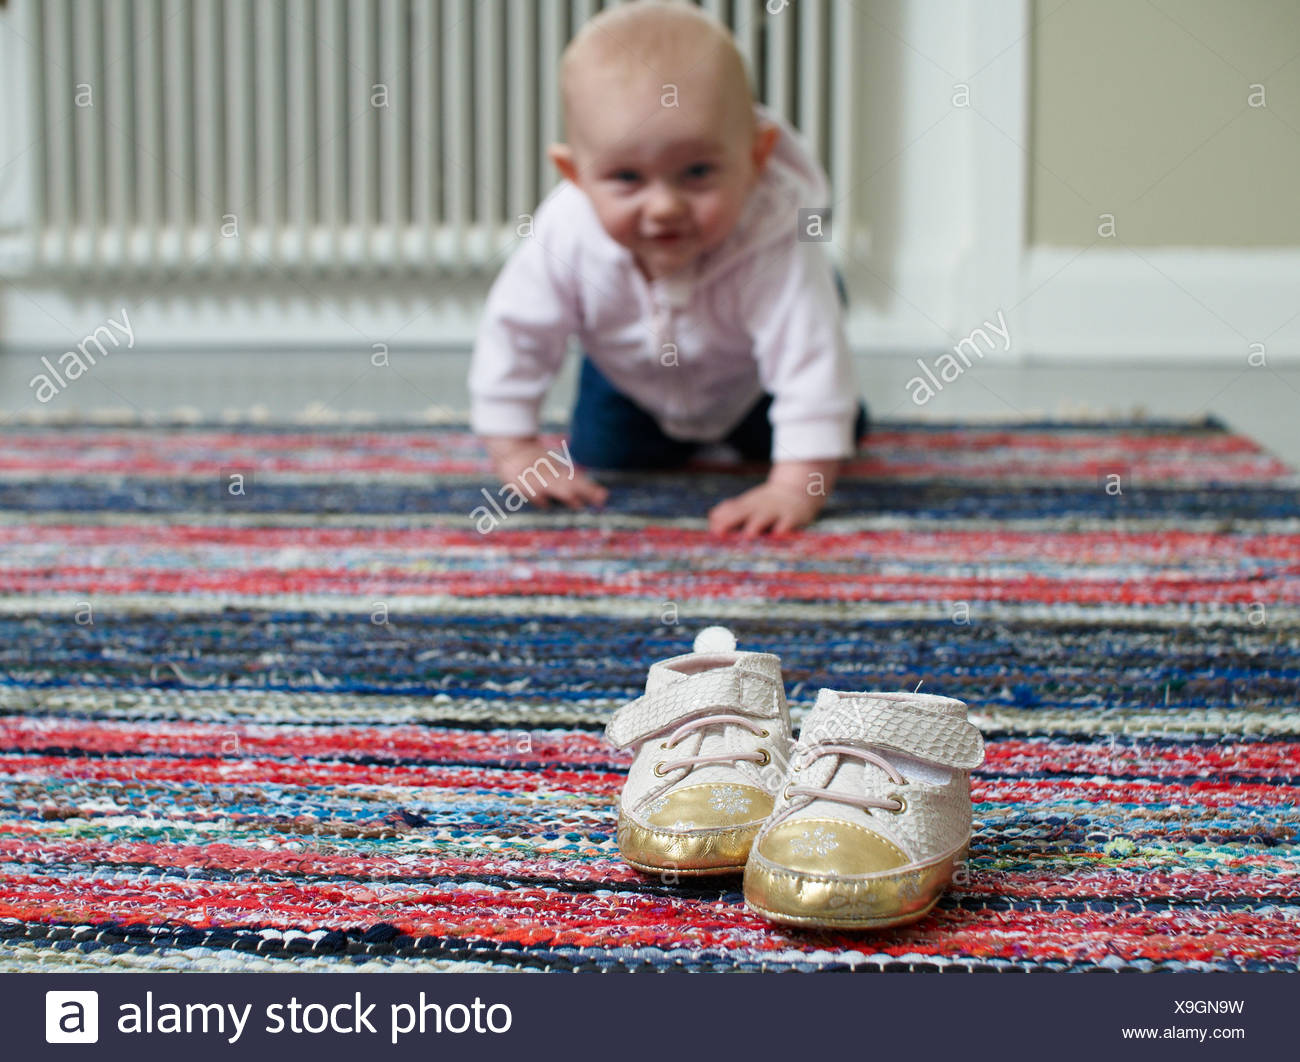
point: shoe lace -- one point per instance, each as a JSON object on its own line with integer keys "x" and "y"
{"x": 815, "y": 752}
{"x": 759, "y": 756}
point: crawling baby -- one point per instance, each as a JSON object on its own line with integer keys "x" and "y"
{"x": 672, "y": 252}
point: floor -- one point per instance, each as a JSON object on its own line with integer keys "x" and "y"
{"x": 1262, "y": 402}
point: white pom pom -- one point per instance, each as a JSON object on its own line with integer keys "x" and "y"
{"x": 715, "y": 640}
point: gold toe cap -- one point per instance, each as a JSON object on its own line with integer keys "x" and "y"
{"x": 875, "y": 900}
{"x": 828, "y": 846}
{"x": 708, "y": 806}
{"x": 699, "y": 829}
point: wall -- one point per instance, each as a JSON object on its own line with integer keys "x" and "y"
{"x": 1144, "y": 110}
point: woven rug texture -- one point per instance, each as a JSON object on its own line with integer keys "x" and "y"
{"x": 330, "y": 724}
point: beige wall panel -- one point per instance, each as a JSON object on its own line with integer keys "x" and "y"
{"x": 1140, "y": 108}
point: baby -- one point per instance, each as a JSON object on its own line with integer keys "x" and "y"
{"x": 672, "y": 252}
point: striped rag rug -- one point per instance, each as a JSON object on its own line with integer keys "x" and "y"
{"x": 278, "y": 697}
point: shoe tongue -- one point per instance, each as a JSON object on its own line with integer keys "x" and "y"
{"x": 680, "y": 668}
{"x": 856, "y": 775}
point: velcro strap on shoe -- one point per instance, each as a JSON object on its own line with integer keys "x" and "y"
{"x": 736, "y": 690}
{"x": 924, "y": 733}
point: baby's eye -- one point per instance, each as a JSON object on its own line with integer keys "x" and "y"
{"x": 700, "y": 169}
{"x": 626, "y": 175}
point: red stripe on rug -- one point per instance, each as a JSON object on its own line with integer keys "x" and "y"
{"x": 1251, "y": 587}
{"x": 602, "y": 785}
{"x": 1131, "y": 756}
{"x": 539, "y": 915}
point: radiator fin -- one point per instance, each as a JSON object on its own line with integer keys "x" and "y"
{"x": 396, "y": 136}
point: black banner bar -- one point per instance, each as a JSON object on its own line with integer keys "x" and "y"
{"x": 513, "y": 1016}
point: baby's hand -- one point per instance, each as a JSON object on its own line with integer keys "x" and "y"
{"x": 534, "y": 471}
{"x": 768, "y": 507}
{"x": 793, "y": 495}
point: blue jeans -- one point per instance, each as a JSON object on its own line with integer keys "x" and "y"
{"x": 609, "y": 430}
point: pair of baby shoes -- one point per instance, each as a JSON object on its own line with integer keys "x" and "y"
{"x": 860, "y": 824}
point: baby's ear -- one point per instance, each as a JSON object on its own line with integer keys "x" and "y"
{"x": 765, "y": 137}
{"x": 562, "y": 156}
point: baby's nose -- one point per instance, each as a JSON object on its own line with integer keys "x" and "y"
{"x": 664, "y": 202}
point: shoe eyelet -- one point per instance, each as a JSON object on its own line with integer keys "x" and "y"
{"x": 767, "y": 758}
{"x": 658, "y": 773}
{"x": 902, "y": 804}
{"x": 785, "y": 794}
{"x": 764, "y": 733}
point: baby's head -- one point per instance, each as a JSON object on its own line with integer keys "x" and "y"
{"x": 661, "y": 128}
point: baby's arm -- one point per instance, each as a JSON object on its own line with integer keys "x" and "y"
{"x": 527, "y": 320}
{"x": 793, "y": 313}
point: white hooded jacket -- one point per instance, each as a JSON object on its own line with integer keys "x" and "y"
{"x": 759, "y": 313}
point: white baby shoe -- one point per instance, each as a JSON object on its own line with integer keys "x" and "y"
{"x": 712, "y": 735}
{"x": 874, "y": 815}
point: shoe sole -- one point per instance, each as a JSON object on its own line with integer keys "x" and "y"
{"x": 685, "y": 872}
{"x": 811, "y": 922}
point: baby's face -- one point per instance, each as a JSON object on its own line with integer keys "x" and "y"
{"x": 671, "y": 186}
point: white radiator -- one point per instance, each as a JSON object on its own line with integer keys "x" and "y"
{"x": 390, "y": 136}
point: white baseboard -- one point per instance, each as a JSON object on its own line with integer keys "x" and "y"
{"x": 319, "y": 313}
{"x": 906, "y": 309}
{"x": 1115, "y": 304}
{"x": 1159, "y": 304}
